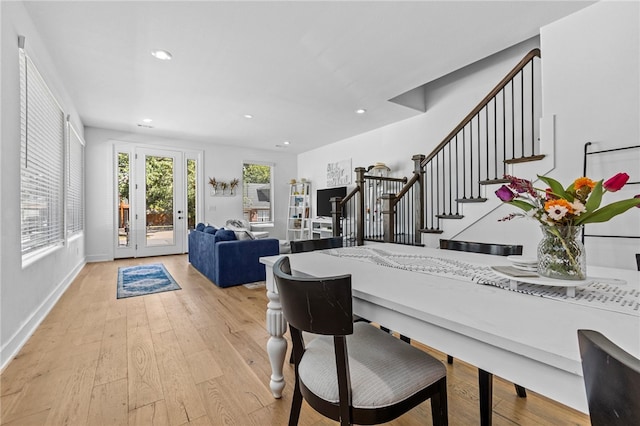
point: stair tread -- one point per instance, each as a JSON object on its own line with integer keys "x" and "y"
{"x": 430, "y": 231}
{"x": 471, "y": 200}
{"x": 493, "y": 181}
{"x": 524, "y": 159}
{"x": 449, "y": 216}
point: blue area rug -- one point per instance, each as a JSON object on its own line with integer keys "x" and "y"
{"x": 144, "y": 279}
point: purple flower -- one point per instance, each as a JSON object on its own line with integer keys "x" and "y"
{"x": 521, "y": 185}
{"x": 505, "y": 194}
{"x": 616, "y": 182}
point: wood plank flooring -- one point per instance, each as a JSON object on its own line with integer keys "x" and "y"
{"x": 195, "y": 356}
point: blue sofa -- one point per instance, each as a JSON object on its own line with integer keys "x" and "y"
{"x": 227, "y": 261}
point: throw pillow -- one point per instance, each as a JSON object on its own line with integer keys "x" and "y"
{"x": 200, "y": 227}
{"x": 225, "y": 235}
{"x": 243, "y": 234}
{"x": 210, "y": 229}
{"x": 238, "y": 223}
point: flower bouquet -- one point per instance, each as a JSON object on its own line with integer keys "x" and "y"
{"x": 561, "y": 213}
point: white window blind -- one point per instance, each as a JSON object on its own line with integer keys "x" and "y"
{"x": 42, "y": 162}
{"x": 75, "y": 181}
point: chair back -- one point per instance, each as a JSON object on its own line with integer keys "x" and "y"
{"x": 316, "y": 305}
{"x": 612, "y": 380}
{"x": 300, "y": 246}
{"x": 486, "y": 248}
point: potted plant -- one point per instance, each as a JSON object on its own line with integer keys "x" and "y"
{"x": 214, "y": 185}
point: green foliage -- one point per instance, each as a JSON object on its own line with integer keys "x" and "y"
{"x": 256, "y": 173}
{"x": 123, "y": 175}
{"x": 191, "y": 194}
{"x": 159, "y": 184}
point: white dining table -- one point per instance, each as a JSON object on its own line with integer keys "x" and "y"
{"x": 523, "y": 338}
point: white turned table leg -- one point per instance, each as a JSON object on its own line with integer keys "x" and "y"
{"x": 277, "y": 345}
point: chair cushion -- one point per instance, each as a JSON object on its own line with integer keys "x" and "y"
{"x": 384, "y": 370}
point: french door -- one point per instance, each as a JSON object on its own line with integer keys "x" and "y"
{"x": 156, "y": 201}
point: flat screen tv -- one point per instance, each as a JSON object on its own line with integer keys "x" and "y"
{"x": 323, "y": 205}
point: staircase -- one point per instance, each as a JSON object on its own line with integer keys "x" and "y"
{"x": 501, "y": 131}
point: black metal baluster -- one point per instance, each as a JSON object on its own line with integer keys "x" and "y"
{"x": 513, "y": 127}
{"x": 504, "y": 131}
{"x": 464, "y": 165}
{"x": 450, "y": 179}
{"x": 495, "y": 138}
{"x": 486, "y": 132}
{"x": 521, "y": 73}
{"x": 533, "y": 133}
{"x": 471, "y": 158}
{"x": 457, "y": 174}
{"x": 479, "y": 144}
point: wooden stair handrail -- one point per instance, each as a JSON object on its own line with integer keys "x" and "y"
{"x": 405, "y": 188}
{"x": 501, "y": 85}
{"x": 350, "y": 195}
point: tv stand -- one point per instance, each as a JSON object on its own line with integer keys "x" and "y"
{"x": 322, "y": 227}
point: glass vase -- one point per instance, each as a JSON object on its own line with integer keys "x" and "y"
{"x": 561, "y": 254}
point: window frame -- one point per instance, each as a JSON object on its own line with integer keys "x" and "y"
{"x": 271, "y": 166}
{"x": 42, "y": 168}
{"x": 75, "y": 180}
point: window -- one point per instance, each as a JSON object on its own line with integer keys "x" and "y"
{"x": 41, "y": 162}
{"x": 256, "y": 191}
{"x": 75, "y": 182}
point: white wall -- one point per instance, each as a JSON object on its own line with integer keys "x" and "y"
{"x": 590, "y": 91}
{"x": 592, "y": 84}
{"x": 26, "y": 294}
{"x": 223, "y": 162}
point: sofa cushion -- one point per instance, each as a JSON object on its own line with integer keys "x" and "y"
{"x": 210, "y": 229}
{"x": 200, "y": 227}
{"x": 225, "y": 235}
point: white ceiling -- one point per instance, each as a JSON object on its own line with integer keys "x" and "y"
{"x": 300, "y": 68}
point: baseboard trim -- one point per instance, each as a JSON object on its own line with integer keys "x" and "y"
{"x": 99, "y": 258}
{"x": 20, "y": 337}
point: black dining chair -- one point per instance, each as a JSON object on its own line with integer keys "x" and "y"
{"x": 612, "y": 380}
{"x": 352, "y": 372}
{"x": 301, "y": 246}
{"x": 485, "y": 248}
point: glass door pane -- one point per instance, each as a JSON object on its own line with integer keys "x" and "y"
{"x": 191, "y": 193}
{"x": 159, "y": 197}
{"x": 122, "y": 207}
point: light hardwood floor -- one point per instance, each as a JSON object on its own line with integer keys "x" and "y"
{"x": 194, "y": 356}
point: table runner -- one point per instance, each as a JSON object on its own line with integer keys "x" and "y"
{"x": 601, "y": 293}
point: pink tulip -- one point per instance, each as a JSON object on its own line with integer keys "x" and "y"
{"x": 616, "y": 182}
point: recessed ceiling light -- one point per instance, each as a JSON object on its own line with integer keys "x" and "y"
{"x": 286, "y": 142}
{"x": 163, "y": 55}
{"x": 147, "y": 120}
{"x": 248, "y": 116}
{"x": 361, "y": 111}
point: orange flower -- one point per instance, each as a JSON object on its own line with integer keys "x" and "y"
{"x": 558, "y": 209}
{"x": 560, "y": 202}
{"x": 583, "y": 181}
